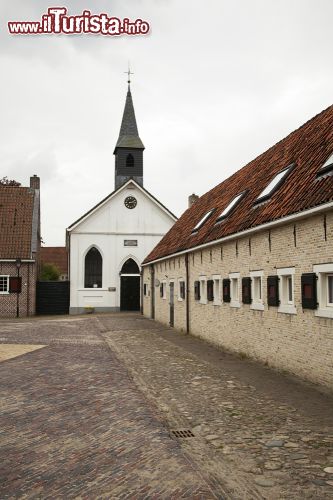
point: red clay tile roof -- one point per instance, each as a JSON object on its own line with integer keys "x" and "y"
{"x": 55, "y": 255}
{"x": 16, "y": 212}
{"x": 307, "y": 147}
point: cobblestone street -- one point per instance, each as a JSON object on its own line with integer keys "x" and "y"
{"x": 91, "y": 414}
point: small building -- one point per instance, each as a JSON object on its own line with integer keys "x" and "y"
{"x": 58, "y": 257}
{"x": 19, "y": 248}
{"x": 249, "y": 266}
{"x": 108, "y": 243}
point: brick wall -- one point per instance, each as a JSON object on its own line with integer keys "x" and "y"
{"x": 27, "y": 298}
{"x": 300, "y": 343}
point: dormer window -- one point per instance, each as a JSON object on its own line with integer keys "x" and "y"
{"x": 202, "y": 221}
{"x": 274, "y": 184}
{"x": 230, "y": 207}
{"x": 327, "y": 167}
{"x": 129, "y": 160}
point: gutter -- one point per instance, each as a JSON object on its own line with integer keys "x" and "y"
{"x": 262, "y": 227}
{"x": 24, "y": 261}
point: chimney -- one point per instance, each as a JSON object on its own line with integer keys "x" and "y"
{"x": 192, "y": 199}
{"x": 35, "y": 182}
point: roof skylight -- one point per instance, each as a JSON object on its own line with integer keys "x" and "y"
{"x": 230, "y": 207}
{"x": 328, "y": 165}
{"x": 274, "y": 184}
{"x": 203, "y": 220}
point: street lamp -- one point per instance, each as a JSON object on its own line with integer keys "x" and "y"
{"x": 18, "y": 263}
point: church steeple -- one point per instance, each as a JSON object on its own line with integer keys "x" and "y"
{"x": 129, "y": 147}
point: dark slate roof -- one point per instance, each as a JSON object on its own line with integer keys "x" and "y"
{"x": 307, "y": 148}
{"x": 129, "y": 135}
{"x": 57, "y": 256}
{"x": 16, "y": 221}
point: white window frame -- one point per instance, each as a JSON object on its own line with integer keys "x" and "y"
{"x": 325, "y": 309}
{"x": 164, "y": 289}
{"x": 217, "y": 289}
{"x": 286, "y": 306}
{"x": 257, "y": 302}
{"x": 178, "y": 291}
{"x": 5, "y": 276}
{"x": 203, "y": 289}
{"x": 234, "y": 300}
{"x": 274, "y": 184}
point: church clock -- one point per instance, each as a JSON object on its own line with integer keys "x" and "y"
{"x": 130, "y": 202}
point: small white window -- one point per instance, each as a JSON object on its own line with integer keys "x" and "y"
{"x": 228, "y": 208}
{"x": 286, "y": 290}
{"x": 217, "y": 290}
{"x": 202, "y": 221}
{"x": 257, "y": 292}
{"x": 203, "y": 290}
{"x": 274, "y": 184}
{"x": 234, "y": 289}
{"x": 324, "y": 290}
{"x": 4, "y": 284}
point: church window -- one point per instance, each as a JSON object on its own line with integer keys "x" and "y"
{"x": 130, "y": 267}
{"x": 129, "y": 160}
{"x": 93, "y": 269}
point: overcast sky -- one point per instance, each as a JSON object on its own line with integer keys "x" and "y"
{"x": 215, "y": 84}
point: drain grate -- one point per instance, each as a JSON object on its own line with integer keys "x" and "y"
{"x": 182, "y": 434}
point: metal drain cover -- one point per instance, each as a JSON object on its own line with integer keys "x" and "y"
{"x": 182, "y": 434}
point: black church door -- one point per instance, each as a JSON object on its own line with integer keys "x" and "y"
{"x": 130, "y": 286}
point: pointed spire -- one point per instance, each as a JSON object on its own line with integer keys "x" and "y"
{"x": 129, "y": 135}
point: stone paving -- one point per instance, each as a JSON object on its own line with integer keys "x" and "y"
{"x": 256, "y": 432}
{"x": 74, "y": 424}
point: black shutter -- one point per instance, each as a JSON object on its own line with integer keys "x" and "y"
{"x": 197, "y": 290}
{"x": 15, "y": 284}
{"x": 182, "y": 289}
{"x": 210, "y": 290}
{"x": 309, "y": 291}
{"x": 226, "y": 290}
{"x": 246, "y": 290}
{"x": 161, "y": 290}
{"x": 273, "y": 291}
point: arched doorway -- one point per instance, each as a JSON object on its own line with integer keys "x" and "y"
{"x": 130, "y": 286}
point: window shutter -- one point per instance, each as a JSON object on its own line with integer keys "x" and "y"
{"x": 182, "y": 289}
{"x": 246, "y": 290}
{"x": 309, "y": 291}
{"x": 226, "y": 290}
{"x": 161, "y": 290}
{"x": 210, "y": 290}
{"x": 15, "y": 284}
{"x": 273, "y": 291}
{"x": 197, "y": 290}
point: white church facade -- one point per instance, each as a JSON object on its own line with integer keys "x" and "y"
{"x": 107, "y": 244}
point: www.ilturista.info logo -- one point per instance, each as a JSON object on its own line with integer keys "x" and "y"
{"x": 56, "y": 21}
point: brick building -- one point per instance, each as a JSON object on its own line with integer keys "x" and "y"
{"x": 249, "y": 266}
{"x": 19, "y": 248}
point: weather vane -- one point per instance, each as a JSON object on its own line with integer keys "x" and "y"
{"x": 129, "y": 73}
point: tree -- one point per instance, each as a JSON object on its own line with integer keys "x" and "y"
{"x": 49, "y": 272}
{"x": 9, "y": 182}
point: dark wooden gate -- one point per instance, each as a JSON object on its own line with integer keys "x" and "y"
{"x": 52, "y": 297}
{"x": 130, "y": 293}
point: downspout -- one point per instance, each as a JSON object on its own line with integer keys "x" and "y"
{"x": 141, "y": 290}
{"x": 187, "y": 294}
{"x": 152, "y": 275}
{"x": 28, "y": 290}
